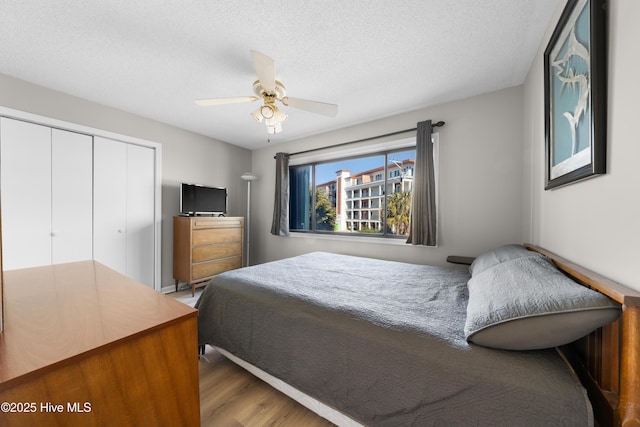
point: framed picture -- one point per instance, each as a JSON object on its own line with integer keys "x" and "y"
{"x": 575, "y": 98}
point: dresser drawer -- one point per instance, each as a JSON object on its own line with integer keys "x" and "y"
{"x": 210, "y": 252}
{"x": 212, "y": 236}
{"x": 211, "y": 268}
{"x": 217, "y": 222}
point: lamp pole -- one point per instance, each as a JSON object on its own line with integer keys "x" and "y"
{"x": 248, "y": 176}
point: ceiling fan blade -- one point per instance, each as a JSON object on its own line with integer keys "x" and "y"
{"x": 222, "y": 101}
{"x": 265, "y": 69}
{"x": 323, "y": 108}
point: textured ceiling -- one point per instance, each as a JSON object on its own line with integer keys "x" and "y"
{"x": 372, "y": 58}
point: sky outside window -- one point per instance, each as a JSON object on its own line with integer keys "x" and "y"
{"x": 327, "y": 171}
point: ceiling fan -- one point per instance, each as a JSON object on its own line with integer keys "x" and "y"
{"x": 270, "y": 90}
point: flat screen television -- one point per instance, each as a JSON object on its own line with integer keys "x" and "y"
{"x": 202, "y": 200}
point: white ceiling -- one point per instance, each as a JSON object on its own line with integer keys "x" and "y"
{"x": 374, "y": 58}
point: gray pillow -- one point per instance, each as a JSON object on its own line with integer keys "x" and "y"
{"x": 498, "y": 255}
{"x": 527, "y": 304}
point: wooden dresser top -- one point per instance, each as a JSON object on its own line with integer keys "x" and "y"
{"x": 56, "y": 314}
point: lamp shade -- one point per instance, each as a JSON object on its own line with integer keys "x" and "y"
{"x": 256, "y": 115}
{"x": 248, "y": 176}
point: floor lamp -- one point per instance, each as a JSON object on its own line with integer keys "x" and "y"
{"x": 248, "y": 176}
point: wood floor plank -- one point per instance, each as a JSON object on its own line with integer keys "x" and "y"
{"x": 232, "y": 397}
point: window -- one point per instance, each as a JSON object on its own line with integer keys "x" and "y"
{"x": 366, "y": 195}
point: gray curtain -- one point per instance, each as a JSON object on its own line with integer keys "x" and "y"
{"x": 422, "y": 228}
{"x": 280, "y": 224}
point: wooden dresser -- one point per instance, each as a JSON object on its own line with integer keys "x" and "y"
{"x": 204, "y": 247}
{"x": 84, "y": 345}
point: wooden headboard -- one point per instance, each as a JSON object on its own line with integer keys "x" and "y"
{"x": 608, "y": 360}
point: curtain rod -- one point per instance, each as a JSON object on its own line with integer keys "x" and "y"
{"x": 433, "y": 125}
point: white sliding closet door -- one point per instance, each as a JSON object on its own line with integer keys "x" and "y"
{"x": 72, "y": 196}
{"x": 124, "y": 208}
{"x": 110, "y": 203}
{"x": 140, "y": 214}
{"x": 25, "y": 167}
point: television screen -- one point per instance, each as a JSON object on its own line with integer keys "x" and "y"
{"x": 199, "y": 199}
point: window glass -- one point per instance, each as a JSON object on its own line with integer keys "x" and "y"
{"x": 399, "y": 185}
{"x": 346, "y": 209}
{"x": 368, "y": 195}
{"x": 300, "y": 198}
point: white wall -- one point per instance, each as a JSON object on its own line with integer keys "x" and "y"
{"x": 595, "y": 223}
{"x": 480, "y": 182}
{"x": 186, "y": 156}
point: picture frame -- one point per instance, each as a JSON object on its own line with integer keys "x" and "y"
{"x": 575, "y": 94}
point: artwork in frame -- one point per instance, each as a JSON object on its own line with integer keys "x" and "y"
{"x": 575, "y": 98}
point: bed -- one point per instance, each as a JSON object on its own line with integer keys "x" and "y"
{"x": 380, "y": 343}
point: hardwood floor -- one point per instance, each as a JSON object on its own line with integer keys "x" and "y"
{"x": 232, "y": 397}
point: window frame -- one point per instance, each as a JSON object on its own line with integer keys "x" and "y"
{"x": 405, "y": 144}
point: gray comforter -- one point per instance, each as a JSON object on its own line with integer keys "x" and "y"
{"x": 383, "y": 342}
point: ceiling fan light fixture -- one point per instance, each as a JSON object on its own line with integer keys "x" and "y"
{"x": 274, "y": 128}
{"x": 256, "y": 115}
{"x": 280, "y": 116}
{"x": 268, "y": 111}
{"x": 272, "y": 116}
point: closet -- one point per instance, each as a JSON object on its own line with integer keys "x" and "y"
{"x": 72, "y": 193}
